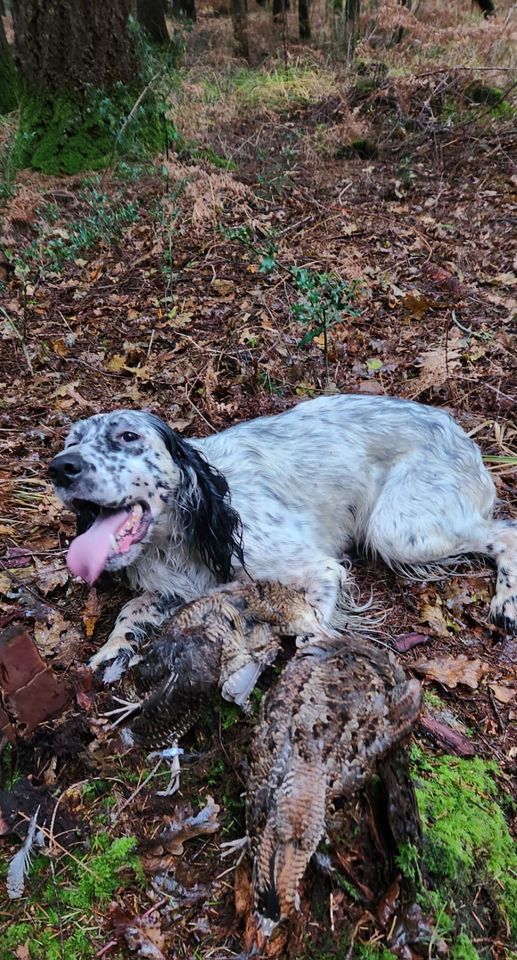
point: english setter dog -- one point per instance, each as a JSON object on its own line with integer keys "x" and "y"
{"x": 280, "y": 498}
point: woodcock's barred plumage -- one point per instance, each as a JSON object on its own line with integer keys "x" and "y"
{"x": 338, "y": 709}
{"x": 221, "y": 642}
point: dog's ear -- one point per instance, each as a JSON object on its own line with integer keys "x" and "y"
{"x": 212, "y": 526}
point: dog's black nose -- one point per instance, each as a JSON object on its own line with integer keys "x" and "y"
{"x": 65, "y": 468}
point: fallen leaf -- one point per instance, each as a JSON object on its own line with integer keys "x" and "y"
{"x": 22, "y": 952}
{"x": 242, "y": 894}
{"x": 177, "y": 832}
{"x": 51, "y": 575}
{"x": 453, "y": 670}
{"x": 142, "y": 934}
{"x": 91, "y": 612}
{"x": 432, "y": 613}
{"x": 224, "y": 288}
{"x": 503, "y": 694}
{"x": 57, "y": 638}
{"x": 417, "y": 304}
{"x": 116, "y": 363}
{"x": 406, "y": 641}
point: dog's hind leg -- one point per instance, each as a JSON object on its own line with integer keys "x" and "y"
{"x": 425, "y": 520}
{"x": 501, "y": 547}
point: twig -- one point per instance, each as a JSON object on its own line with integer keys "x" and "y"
{"x": 471, "y": 333}
{"x": 114, "y": 817}
{"x": 128, "y": 119}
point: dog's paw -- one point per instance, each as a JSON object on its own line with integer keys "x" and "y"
{"x": 503, "y": 612}
{"x": 112, "y": 660}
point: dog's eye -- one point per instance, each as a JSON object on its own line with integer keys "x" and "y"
{"x": 128, "y": 437}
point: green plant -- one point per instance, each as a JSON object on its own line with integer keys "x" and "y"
{"x": 323, "y": 302}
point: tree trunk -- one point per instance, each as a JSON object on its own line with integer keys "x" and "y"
{"x": 240, "y": 28}
{"x": 84, "y": 95}
{"x": 71, "y": 44}
{"x": 351, "y": 11}
{"x": 278, "y": 9}
{"x": 304, "y": 21}
{"x": 8, "y": 78}
{"x": 151, "y": 16}
{"x": 184, "y": 9}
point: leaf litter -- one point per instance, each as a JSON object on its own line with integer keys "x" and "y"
{"x": 178, "y": 317}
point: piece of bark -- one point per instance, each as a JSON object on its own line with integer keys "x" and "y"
{"x": 447, "y": 738}
{"x": 29, "y": 689}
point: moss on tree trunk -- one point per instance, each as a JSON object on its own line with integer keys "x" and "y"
{"x": 8, "y": 77}
{"x": 81, "y": 81}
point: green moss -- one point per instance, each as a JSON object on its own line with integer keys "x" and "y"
{"x": 65, "y": 134}
{"x": 467, "y": 843}
{"x": 481, "y": 93}
{"x": 462, "y": 949}
{"x": 75, "y": 893}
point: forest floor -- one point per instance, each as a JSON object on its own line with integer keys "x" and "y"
{"x": 182, "y": 286}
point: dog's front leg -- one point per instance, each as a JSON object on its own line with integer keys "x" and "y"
{"x": 140, "y": 613}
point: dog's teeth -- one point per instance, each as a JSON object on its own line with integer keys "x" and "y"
{"x": 113, "y": 542}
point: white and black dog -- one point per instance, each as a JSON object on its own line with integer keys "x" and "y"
{"x": 281, "y": 498}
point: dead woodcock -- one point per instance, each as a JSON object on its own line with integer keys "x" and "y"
{"x": 221, "y": 642}
{"x": 340, "y": 707}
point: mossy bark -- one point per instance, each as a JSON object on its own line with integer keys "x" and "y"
{"x": 81, "y": 79}
{"x": 8, "y": 77}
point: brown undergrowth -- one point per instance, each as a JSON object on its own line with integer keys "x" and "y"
{"x": 172, "y": 287}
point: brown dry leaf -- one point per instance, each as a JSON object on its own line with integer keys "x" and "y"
{"x": 432, "y": 614}
{"x": 51, "y": 575}
{"x": 60, "y": 347}
{"x": 22, "y": 952}
{"x": 437, "y": 364}
{"x": 6, "y": 530}
{"x": 242, "y": 890}
{"x": 417, "y": 304}
{"x": 224, "y": 288}
{"x": 116, "y": 363}
{"x": 57, "y": 638}
{"x": 6, "y": 584}
{"x": 501, "y": 693}
{"x": 453, "y": 670}
{"x": 142, "y": 934}
{"x": 91, "y": 612}
{"x": 184, "y": 827}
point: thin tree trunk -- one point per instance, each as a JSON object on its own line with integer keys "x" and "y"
{"x": 351, "y": 11}
{"x": 151, "y": 16}
{"x": 304, "y": 21}
{"x": 240, "y": 28}
{"x": 184, "y": 9}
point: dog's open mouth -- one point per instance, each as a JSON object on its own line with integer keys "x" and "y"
{"x": 107, "y": 533}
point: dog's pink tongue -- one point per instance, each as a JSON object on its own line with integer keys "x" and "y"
{"x": 88, "y": 553}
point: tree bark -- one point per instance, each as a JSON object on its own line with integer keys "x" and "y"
{"x": 8, "y": 78}
{"x": 184, "y": 9}
{"x": 151, "y": 16}
{"x": 70, "y": 44}
{"x": 240, "y": 28}
{"x": 304, "y": 21}
{"x": 351, "y": 11}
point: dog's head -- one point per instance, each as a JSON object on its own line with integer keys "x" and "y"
{"x": 132, "y": 481}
